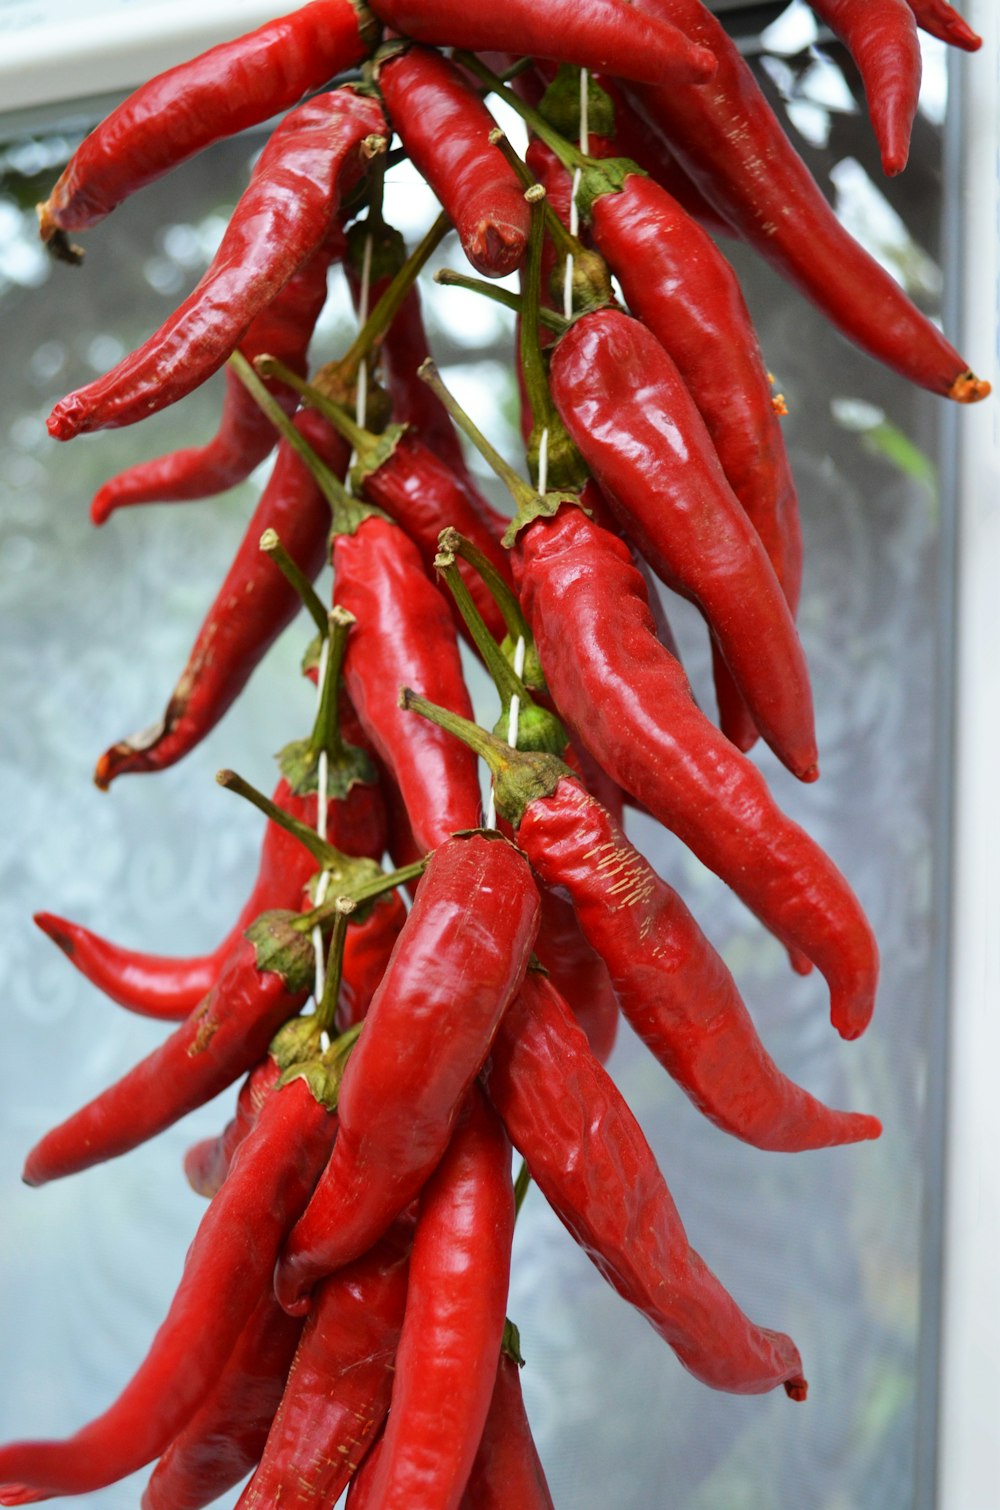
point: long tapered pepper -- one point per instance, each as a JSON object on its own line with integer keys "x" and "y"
{"x": 225, "y": 90}
{"x": 227, "y": 1270}
{"x": 453, "y": 972}
{"x": 253, "y": 606}
{"x": 313, "y": 158}
{"x": 628, "y": 410}
{"x": 507, "y": 1470}
{"x": 881, "y": 36}
{"x": 602, "y": 34}
{"x": 730, "y": 142}
{"x": 339, "y": 1384}
{"x": 449, "y": 1348}
{"x": 264, "y": 982}
{"x": 245, "y": 435}
{"x": 589, "y": 1158}
{"x": 943, "y": 21}
{"x": 225, "y": 1437}
{"x": 207, "y": 1162}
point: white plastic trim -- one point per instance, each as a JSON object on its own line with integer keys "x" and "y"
{"x": 969, "y": 1472}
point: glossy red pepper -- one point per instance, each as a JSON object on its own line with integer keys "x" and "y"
{"x": 628, "y": 410}
{"x": 460, "y": 958}
{"x": 227, "y": 1270}
{"x": 253, "y": 606}
{"x": 943, "y": 21}
{"x": 225, "y": 90}
{"x": 578, "y": 971}
{"x": 225, "y": 1437}
{"x": 339, "y": 1384}
{"x": 207, "y": 1162}
{"x": 601, "y": 34}
{"x": 729, "y": 141}
{"x": 245, "y": 435}
{"x": 881, "y": 36}
{"x": 265, "y": 981}
{"x": 313, "y": 158}
{"x": 367, "y": 949}
{"x": 449, "y": 1348}
{"x": 507, "y": 1469}
{"x": 587, "y": 1154}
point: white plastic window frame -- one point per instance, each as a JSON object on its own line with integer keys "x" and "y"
{"x": 47, "y": 58}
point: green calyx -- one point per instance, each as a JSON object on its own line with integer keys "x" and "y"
{"x": 282, "y": 950}
{"x": 602, "y": 176}
{"x": 560, "y": 104}
{"x": 323, "y": 1073}
{"x": 565, "y": 468}
{"x": 369, "y": 25}
{"x": 388, "y": 253}
{"x": 511, "y": 1343}
{"x": 538, "y": 506}
{"x": 299, "y": 763}
{"x": 590, "y": 283}
{"x": 538, "y": 730}
{"x": 372, "y": 451}
{"x": 295, "y": 1043}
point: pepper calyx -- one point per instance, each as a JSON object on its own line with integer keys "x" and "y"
{"x": 373, "y": 451}
{"x": 298, "y": 762}
{"x": 540, "y": 506}
{"x": 560, "y": 104}
{"x": 282, "y": 950}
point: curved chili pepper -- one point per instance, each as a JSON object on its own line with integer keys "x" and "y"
{"x": 458, "y": 961}
{"x": 449, "y": 1348}
{"x": 729, "y": 141}
{"x": 629, "y": 701}
{"x": 314, "y": 157}
{"x": 265, "y": 981}
{"x": 245, "y": 435}
{"x": 227, "y": 1270}
{"x": 359, "y": 1493}
{"x": 339, "y": 1384}
{"x": 207, "y": 1163}
{"x": 587, "y": 1154}
{"x": 225, "y": 1437}
{"x": 578, "y": 972}
{"x": 602, "y": 34}
{"x": 367, "y": 948}
{"x": 445, "y": 127}
{"x": 881, "y": 36}
{"x": 628, "y": 410}
{"x": 253, "y": 606}
{"x": 507, "y": 1469}
{"x": 943, "y": 21}
{"x": 217, "y": 94}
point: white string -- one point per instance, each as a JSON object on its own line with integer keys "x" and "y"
{"x": 513, "y": 721}
{"x": 585, "y": 111}
{"x": 365, "y": 295}
{"x": 574, "y": 214}
{"x": 543, "y": 461}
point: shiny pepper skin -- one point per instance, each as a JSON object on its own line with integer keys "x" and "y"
{"x": 227, "y": 1270}
{"x": 881, "y": 36}
{"x": 629, "y": 701}
{"x": 943, "y": 21}
{"x": 207, "y": 1162}
{"x": 459, "y": 960}
{"x": 587, "y": 1154}
{"x": 507, "y": 1470}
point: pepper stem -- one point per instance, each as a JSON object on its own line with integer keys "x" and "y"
{"x": 369, "y": 892}
{"x": 373, "y": 330}
{"x": 552, "y": 455}
{"x": 567, "y": 245}
{"x": 270, "y": 544}
{"x": 521, "y": 1187}
{"x": 323, "y": 853}
{"x": 569, "y": 155}
{"x": 326, "y": 1007}
{"x": 340, "y": 418}
{"x": 505, "y": 296}
{"x": 510, "y": 609}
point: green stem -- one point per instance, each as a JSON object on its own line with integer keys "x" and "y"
{"x": 505, "y": 296}
{"x": 510, "y": 609}
{"x": 326, "y": 735}
{"x": 340, "y": 418}
{"x": 566, "y": 244}
{"x": 505, "y": 678}
{"x": 536, "y": 381}
{"x": 323, "y": 853}
{"x": 488, "y": 747}
{"x": 570, "y": 156}
{"x": 326, "y": 1007}
{"x": 521, "y": 492}
{"x": 521, "y": 1186}
{"x": 382, "y": 316}
{"x": 271, "y": 545}
{"x": 361, "y": 894}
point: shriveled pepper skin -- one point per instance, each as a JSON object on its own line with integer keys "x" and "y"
{"x": 225, "y": 1437}
{"x": 254, "y": 604}
{"x": 729, "y": 141}
{"x": 507, "y": 1470}
{"x": 881, "y": 36}
{"x": 221, "y": 1039}
{"x": 225, "y": 90}
{"x": 245, "y": 436}
{"x": 314, "y": 156}
{"x": 228, "y": 1268}
{"x": 587, "y": 1154}
{"x": 207, "y": 1163}
{"x": 339, "y": 1384}
{"x": 460, "y": 958}
{"x": 629, "y": 701}
{"x": 627, "y": 408}
{"x": 404, "y": 637}
{"x": 367, "y": 949}
{"x": 445, "y": 127}
{"x": 602, "y": 34}
{"x": 673, "y": 987}
{"x": 449, "y": 1347}
{"x": 943, "y": 21}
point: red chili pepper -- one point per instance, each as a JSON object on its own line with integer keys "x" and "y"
{"x": 458, "y": 961}
{"x": 445, "y": 127}
{"x": 227, "y": 1270}
{"x": 207, "y": 1163}
{"x": 314, "y": 157}
{"x": 578, "y": 972}
{"x": 245, "y": 436}
{"x": 338, "y": 1387}
{"x": 367, "y": 949}
{"x": 265, "y": 981}
{"x": 627, "y": 408}
{"x": 507, "y": 1470}
{"x": 449, "y": 1348}
{"x": 603, "y": 34}
{"x": 225, "y": 1437}
{"x": 221, "y": 92}
{"x": 729, "y": 141}
{"x": 587, "y": 1154}
{"x": 253, "y": 606}
{"x": 881, "y": 36}
{"x": 943, "y": 21}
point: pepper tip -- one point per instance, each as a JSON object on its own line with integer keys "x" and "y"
{"x": 969, "y": 389}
